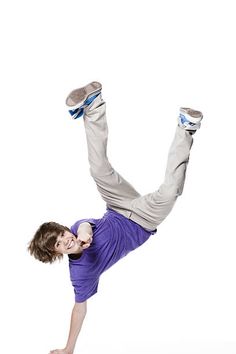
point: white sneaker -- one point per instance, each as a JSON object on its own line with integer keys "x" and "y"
{"x": 189, "y": 119}
{"x": 80, "y": 98}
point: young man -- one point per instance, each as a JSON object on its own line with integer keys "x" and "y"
{"x": 94, "y": 245}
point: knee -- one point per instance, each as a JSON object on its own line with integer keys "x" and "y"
{"x": 100, "y": 171}
{"x": 167, "y": 192}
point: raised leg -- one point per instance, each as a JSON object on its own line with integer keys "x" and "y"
{"x": 114, "y": 189}
{"x": 151, "y": 209}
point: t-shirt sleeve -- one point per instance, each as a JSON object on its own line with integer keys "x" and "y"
{"x": 75, "y": 226}
{"x": 84, "y": 289}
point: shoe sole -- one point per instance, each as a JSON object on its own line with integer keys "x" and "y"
{"x": 77, "y": 97}
{"x": 191, "y": 115}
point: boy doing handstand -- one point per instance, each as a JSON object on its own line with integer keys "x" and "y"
{"x": 94, "y": 245}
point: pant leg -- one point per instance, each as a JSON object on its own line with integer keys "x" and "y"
{"x": 114, "y": 189}
{"x": 151, "y": 209}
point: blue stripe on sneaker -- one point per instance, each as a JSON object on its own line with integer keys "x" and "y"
{"x": 184, "y": 120}
{"x": 73, "y": 111}
{"x": 79, "y": 114}
{"x": 76, "y": 113}
{"x": 90, "y": 99}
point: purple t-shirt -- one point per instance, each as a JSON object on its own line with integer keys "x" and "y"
{"x": 114, "y": 236}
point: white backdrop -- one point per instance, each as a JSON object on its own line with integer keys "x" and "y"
{"x": 176, "y": 294}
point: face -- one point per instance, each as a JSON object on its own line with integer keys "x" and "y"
{"x": 67, "y": 243}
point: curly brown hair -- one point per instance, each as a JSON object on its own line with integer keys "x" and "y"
{"x": 42, "y": 245}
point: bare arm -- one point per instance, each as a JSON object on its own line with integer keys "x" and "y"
{"x": 77, "y": 318}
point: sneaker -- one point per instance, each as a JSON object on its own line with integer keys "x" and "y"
{"x": 189, "y": 119}
{"x": 80, "y": 98}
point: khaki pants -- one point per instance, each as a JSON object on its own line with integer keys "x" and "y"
{"x": 148, "y": 210}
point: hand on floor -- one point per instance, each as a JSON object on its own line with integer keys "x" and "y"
{"x": 59, "y": 351}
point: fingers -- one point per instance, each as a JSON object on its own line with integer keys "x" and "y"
{"x": 90, "y": 240}
{"x": 86, "y": 244}
{"x": 84, "y": 237}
